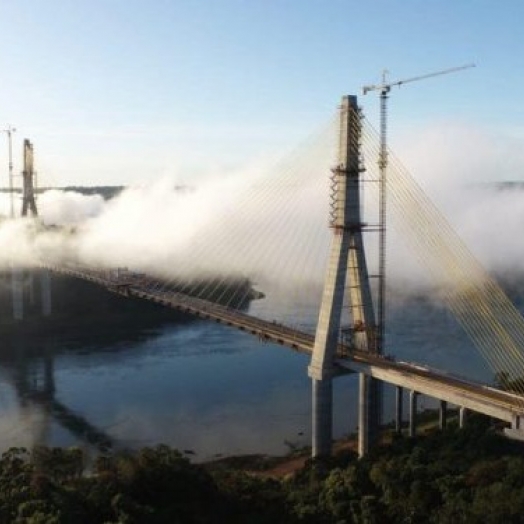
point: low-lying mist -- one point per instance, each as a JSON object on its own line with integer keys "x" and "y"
{"x": 271, "y": 224}
{"x": 476, "y": 179}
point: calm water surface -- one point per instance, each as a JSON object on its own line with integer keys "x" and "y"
{"x": 200, "y": 387}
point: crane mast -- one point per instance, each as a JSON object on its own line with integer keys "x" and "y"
{"x": 384, "y": 88}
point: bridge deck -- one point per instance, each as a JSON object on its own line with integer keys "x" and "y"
{"x": 435, "y": 383}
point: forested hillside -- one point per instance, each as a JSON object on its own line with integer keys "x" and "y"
{"x": 470, "y": 476}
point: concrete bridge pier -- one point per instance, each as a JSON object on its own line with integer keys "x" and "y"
{"x": 516, "y": 430}
{"x": 443, "y": 414}
{"x": 322, "y": 417}
{"x": 398, "y": 409}
{"x": 463, "y": 416}
{"x": 363, "y": 414}
{"x": 413, "y": 413}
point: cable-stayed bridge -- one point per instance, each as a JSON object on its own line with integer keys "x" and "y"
{"x": 456, "y": 390}
{"x": 347, "y": 337}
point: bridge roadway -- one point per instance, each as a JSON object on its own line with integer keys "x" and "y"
{"x": 422, "y": 379}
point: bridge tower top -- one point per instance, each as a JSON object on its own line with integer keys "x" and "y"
{"x": 345, "y": 192}
{"x": 348, "y": 145}
{"x": 28, "y": 195}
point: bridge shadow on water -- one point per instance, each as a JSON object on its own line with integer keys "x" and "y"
{"x": 86, "y": 321}
{"x": 92, "y": 331}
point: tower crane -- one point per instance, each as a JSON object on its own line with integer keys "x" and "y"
{"x": 384, "y": 88}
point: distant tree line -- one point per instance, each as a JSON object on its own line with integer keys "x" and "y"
{"x": 106, "y": 192}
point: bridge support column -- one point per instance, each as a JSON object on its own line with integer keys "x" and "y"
{"x": 17, "y": 293}
{"x": 443, "y": 414}
{"x": 463, "y": 415}
{"x": 363, "y": 414}
{"x": 45, "y": 286}
{"x": 398, "y": 409}
{"x": 412, "y": 413}
{"x": 322, "y": 417}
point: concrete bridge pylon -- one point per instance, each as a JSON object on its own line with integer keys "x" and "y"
{"x": 346, "y": 280}
{"x": 28, "y": 176}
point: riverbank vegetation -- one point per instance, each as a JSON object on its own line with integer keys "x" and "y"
{"x": 470, "y": 476}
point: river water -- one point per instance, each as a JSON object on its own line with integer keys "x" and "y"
{"x": 201, "y": 387}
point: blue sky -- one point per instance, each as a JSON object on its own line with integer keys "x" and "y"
{"x": 120, "y": 91}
